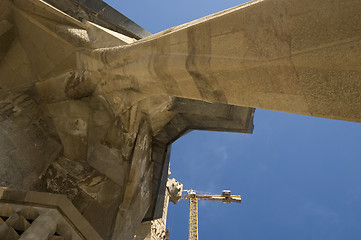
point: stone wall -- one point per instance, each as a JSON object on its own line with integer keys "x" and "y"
{"x": 90, "y": 113}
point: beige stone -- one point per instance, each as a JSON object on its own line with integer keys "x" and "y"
{"x": 89, "y": 110}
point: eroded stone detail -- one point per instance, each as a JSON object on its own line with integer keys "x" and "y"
{"x": 77, "y": 86}
{"x": 30, "y": 222}
{"x": 93, "y": 194}
{"x": 25, "y": 134}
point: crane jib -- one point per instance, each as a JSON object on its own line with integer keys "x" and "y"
{"x": 193, "y": 197}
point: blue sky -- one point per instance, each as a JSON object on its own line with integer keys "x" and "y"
{"x": 299, "y": 176}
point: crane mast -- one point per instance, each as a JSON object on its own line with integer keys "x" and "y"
{"x": 193, "y": 219}
{"x": 193, "y": 197}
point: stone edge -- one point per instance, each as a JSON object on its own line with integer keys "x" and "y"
{"x": 50, "y": 200}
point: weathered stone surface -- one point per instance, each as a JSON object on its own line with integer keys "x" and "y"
{"x": 175, "y": 189}
{"x": 33, "y": 215}
{"x": 28, "y": 141}
{"x": 101, "y": 13}
{"x": 93, "y": 194}
{"x": 265, "y": 54}
{"x": 91, "y": 113}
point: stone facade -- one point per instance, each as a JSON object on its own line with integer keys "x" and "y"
{"x": 90, "y": 103}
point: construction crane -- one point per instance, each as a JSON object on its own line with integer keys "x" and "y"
{"x": 193, "y": 197}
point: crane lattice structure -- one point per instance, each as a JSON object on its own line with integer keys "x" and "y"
{"x": 193, "y": 197}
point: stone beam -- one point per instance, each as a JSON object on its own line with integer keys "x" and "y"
{"x": 286, "y": 55}
{"x": 68, "y": 129}
{"x": 90, "y": 113}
